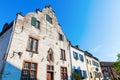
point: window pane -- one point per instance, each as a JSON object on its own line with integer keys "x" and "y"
{"x": 64, "y": 73}
{"x": 25, "y": 75}
{"x": 48, "y": 18}
{"x": 75, "y": 55}
{"x": 35, "y": 45}
{"x": 33, "y": 66}
{"x": 37, "y": 24}
{"x": 30, "y": 44}
{"x": 61, "y": 37}
{"x": 63, "y": 57}
{"x": 81, "y": 57}
{"x": 27, "y": 65}
{"x": 33, "y": 74}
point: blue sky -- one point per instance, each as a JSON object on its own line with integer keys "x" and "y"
{"x": 94, "y": 25}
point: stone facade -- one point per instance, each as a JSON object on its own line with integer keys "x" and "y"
{"x": 34, "y": 47}
{"x": 48, "y": 40}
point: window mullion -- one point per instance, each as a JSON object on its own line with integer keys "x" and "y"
{"x": 32, "y": 44}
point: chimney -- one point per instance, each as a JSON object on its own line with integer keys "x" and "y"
{"x": 77, "y": 46}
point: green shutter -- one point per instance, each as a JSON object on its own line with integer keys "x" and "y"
{"x": 33, "y": 21}
{"x": 48, "y": 18}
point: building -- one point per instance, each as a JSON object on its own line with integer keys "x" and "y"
{"x": 93, "y": 66}
{"x": 78, "y": 62}
{"x": 33, "y": 47}
{"x": 109, "y": 71}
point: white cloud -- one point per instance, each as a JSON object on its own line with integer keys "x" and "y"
{"x": 96, "y": 49}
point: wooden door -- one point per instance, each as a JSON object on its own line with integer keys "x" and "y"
{"x": 48, "y": 76}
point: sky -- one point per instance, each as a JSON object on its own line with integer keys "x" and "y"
{"x": 94, "y": 25}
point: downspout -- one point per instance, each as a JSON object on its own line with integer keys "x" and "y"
{"x": 8, "y": 48}
{"x": 70, "y": 58}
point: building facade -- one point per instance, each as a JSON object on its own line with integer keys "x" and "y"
{"x": 93, "y": 66}
{"x": 34, "y": 48}
{"x": 109, "y": 71}
{"x": 78, "y": 62}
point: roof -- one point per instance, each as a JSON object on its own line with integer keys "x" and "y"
{"x": 90, "y": 55}
{"x": 85, "y": 52}
{"x": 5, "y": 28}
{"x": 106, "y": 64}
{"x": 76, "y": 47}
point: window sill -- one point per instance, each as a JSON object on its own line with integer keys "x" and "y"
{"x": 63, "y": 59}
{"x": 32, "y": 51}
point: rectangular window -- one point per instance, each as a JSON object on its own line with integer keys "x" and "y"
{"x": 35, "y": 23}
{"x": 75, "y": 55}
{"x": 96, "y": 74}
{"x": 32, "y": 45}
{"x": 61, "y": 37}
{"x": 64, "y": 75}
{"x": 95, "y": 63}
{"x": 63, "y": 56}
{"x": 50, "y": 68}
{"x": 81, "y": 57}
{"x": 48, "y": 18}
{"x": 29, "y": 71}
{"x": 84, "y": 74}
{"x": 87, "y": 61}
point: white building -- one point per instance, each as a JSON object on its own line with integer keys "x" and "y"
{"x": 33, "y": 47}
{"x": 78, "y": 62}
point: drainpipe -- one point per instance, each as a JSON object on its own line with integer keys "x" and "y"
{"x": 70, "y": 58}
{"x": 8, "y": 48}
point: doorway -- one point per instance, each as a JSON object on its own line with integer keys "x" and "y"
{"x": 50, "y": 72}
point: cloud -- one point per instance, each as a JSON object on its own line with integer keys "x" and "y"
{"x": 96, "y": 49}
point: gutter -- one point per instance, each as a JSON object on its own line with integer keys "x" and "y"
{"x": 70, "y": 58}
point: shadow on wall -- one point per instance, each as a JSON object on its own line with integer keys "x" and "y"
{"x": 10, "y": 72}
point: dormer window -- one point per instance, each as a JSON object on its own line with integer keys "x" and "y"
{"x": 35, "y": 22}
{"x": 61, "y": 37}
{"x": 48, "y": 18}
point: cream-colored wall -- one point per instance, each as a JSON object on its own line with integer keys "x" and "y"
{"x": 91, "y": 68}
{"x": 48, "y": 38}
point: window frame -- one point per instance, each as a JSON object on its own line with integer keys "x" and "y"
{"x": 62, "y": 55}
{"x": 62, "y": 73}
{"x": 35, "y": 22}
{"x": 48, "y": 19}
{"x": 61, "y": 37}
{"x": 81, "y": 57}
{"x": 23, "y": 69}
{"x": 75, "y": 55}
{"x": 32, "y": 44}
